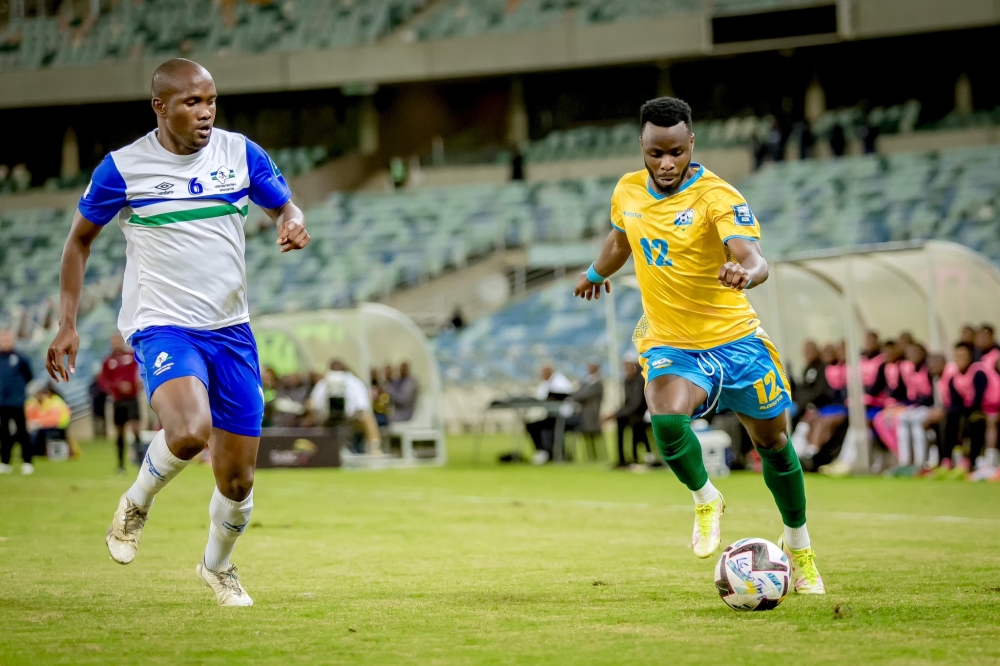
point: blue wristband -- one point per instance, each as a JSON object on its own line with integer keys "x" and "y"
{"x": 594, "y": 276}
{"x": 749, "y": 282}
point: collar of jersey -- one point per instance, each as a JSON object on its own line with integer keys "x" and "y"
{"x": 688, "y": 183}
{"x": 163, "y": 152}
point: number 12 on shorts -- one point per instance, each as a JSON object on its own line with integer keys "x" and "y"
{"x": 660, "y": 248}
{"x": 768, "y": 388}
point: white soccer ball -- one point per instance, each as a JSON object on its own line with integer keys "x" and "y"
{"x": 752, "y": 575}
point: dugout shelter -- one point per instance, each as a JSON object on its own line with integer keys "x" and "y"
{"x": 370, "y": 335}
{"x": 930, "y": 288}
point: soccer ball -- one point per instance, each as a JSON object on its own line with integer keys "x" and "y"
{"x": 752, "y": 575}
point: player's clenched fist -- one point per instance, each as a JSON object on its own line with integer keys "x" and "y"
{"x": 292, "y": 235}
{"x": 587, "y": 289}
{"x": 733, "y": 275}
{"x": 67, "y": 343}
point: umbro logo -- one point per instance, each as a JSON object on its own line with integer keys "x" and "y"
{"x": 164, "y": 186}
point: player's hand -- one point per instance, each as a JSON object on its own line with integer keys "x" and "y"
{"x": 733, "y": 275}
{"x": 587, "y": 289}
{"x": 67, "y": 343}
{"x": 292, "y": 235}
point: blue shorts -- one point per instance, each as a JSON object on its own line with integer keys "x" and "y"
{"x": 745, "y": 376}
{"x": 225, "y": 360}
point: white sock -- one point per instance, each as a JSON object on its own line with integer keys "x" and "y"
{"x": 707, "y": 493}
{"x": 849, "y": 451}
{"x": 903, "y": 451}
{"x": 796, "y": 538}
{"x": 229, "y": 519}
{"x": 157, "y": 469}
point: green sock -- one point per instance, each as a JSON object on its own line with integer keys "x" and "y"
{"x": 783, "y": 477}
{"x": 681, "y": 449}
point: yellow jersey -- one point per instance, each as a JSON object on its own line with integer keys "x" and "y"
{"x": 678, "y": 245}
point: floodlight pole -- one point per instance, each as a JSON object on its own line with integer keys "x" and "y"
{"x": 857, "y": 418}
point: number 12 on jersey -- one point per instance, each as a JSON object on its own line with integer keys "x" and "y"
{"x": 660, "y": 248}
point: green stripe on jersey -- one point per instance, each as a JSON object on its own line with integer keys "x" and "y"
{"x": 187, "y": 215}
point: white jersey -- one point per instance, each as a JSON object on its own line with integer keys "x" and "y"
{"x": 183, "y": 218}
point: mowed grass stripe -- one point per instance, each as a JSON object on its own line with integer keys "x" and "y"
{"x": 559, "y": 565}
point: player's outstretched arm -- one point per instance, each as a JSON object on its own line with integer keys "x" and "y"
{"x": 751, "y": 269}
{"x": 614, "y": 254}
{"x": 74, "y": 263}
{"x": 292, "y": 234}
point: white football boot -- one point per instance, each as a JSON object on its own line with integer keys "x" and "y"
{"x": 225, "y": 584}
{"x": 707, "y": 536}
{"x": 126, "y": 528}
{"x": 27, "y": 469}
{"x": 6, "y": 469}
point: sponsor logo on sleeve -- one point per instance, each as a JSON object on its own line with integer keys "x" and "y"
{"x": 742, "y": 215}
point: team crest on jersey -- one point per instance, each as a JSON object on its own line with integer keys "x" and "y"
{"x": 223, "y": 175}
{"x": 684, "y": 218}
{"x": 743, "y": 215}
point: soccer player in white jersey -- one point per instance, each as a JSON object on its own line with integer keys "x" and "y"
{"x": 180, "y": 195}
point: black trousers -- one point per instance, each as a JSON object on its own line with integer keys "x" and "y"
{"x": 957, "y": 427}
{"x": 13, "y": 415}
{"x": 543, "y": 434}
{"x": 638, "y": 425}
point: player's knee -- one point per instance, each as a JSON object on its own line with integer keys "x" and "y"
{"x": 238, "y": 485}
{"x": 770, "y": 441}
{"x": 190, "y": 439}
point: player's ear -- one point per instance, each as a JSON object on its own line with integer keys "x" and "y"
{"x": 159, "y": 107}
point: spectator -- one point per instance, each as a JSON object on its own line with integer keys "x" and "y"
{"x": 21, "y": 178}
{"x": 838, "y": 140}
{"x": 987, "y": 349}
{"x": 813, "y": 389}
{"x": 968, "y": 392}
{"x": 289, "y": 406}
{"x": 403, "y": 394}
{"x": 988, "y": 353}
{"x": 457, "y": 320}
{"x": 98, "y": 401}
{"x": 15, "y": 373}
{"x": 48, "y": 417}
{"x": 554, "y": 387}
{"x": 632, "y": 413}
{"x": 380, "y": 399}
{"x": 589, "y": 396}
{"x": 967, "y": 335}
{"x": 6, "y": 184}
{"x": 120, "y": 380}
{"x": 340, "y": 385}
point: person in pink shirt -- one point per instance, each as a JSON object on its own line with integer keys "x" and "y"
{"x": 988, "y": 354}
{"x": 969, "y": 392}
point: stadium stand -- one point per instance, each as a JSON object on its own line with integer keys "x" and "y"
{"x": 550, "y": 325}
{"x": 463, "y": 18}
{"x": 190, "y": 27}
{"x": 365, "y": 245}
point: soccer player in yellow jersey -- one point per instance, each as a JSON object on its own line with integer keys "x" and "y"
{"x": 696, "y": 248}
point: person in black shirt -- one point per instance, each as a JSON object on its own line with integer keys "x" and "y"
{"x": 632, "y": 413}
{"x": 15, "y": 373}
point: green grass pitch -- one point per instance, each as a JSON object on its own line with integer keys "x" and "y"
{"x": 485, "y": 564}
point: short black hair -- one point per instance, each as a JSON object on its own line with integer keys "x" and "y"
{"x": 665, "y": 112}
{"x": 966, "y": 346}
{"x": 987, "y": 327}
